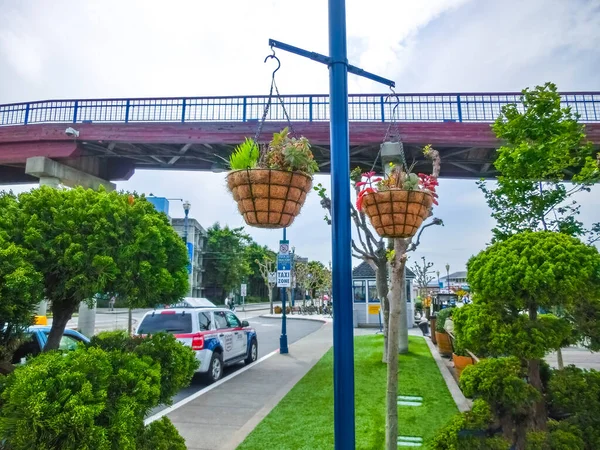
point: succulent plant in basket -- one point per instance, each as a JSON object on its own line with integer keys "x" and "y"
{"x": 398, "y": 203}
{"x": 270, "y": 182}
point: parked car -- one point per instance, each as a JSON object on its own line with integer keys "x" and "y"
{"x": 193, "y": 302}
{"x": 36, "y": 337}
{"x": 217, "y": 336}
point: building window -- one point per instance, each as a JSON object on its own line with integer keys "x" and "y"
{"x": 359, "y": 291}
{"x": 373, "y": 297}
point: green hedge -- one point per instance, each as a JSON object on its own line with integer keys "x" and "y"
{"x": 96, "y": 397}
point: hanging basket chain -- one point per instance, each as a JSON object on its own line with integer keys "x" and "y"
{"x": 270, "y": 99}
{"x": 393, "y": 131}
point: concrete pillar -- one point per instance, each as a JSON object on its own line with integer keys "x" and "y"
{"x": 86, "y": 323}
{"x": 49, "y": 181}
{"x": 52, "y": 173}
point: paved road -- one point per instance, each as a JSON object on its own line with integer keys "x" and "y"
{"x": 117, "y": 320}
{"x": 268, "y": 332}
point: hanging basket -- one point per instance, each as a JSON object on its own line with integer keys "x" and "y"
{"x": 397, "y": 213}
{"x": 269, "y": 198}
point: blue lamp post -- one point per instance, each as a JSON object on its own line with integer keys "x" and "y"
{"x": 343, "y": 339}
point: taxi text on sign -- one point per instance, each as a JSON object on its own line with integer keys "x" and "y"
{"x": 284, "y": 265}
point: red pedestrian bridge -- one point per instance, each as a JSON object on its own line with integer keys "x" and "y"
{"x": 111, "y": 138}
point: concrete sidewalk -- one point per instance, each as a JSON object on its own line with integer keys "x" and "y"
{"x": 222, "y": 418}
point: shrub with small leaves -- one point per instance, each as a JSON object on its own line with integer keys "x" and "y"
{"x": 94, "y": 398}
{"x": 575, "y": 394}
{"x": 161, "y": 435}
{"x": 177, "y": 362}
{"x": 469, "y": 431}
{"x": 501, "y": 383}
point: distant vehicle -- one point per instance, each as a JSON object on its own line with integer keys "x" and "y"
{"x": 35, "y": 340}
{"x": 193, "y": 302}
{"x": 217, "y": 336}
{"x": 444, "y": 300}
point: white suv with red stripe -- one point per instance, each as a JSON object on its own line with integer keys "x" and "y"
{"x": 217, "y": 336}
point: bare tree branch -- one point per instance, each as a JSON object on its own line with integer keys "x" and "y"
{"x": 413, "y": 245}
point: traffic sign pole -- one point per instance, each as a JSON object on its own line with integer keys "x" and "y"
{"x": 283, "y": 341}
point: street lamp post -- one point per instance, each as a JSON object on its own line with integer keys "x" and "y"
{"x": 448, "y": 275}
{"x": 186, "y": 209}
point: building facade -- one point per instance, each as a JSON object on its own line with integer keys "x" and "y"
{"x": 365, "y": 300}
{"x": 196, "y": 243}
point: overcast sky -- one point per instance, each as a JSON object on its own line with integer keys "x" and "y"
{"x": 93, "y": 49}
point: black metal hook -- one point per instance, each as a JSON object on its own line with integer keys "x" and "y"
{"x": 276, "y": 59}
{"x": 393, "y": 93}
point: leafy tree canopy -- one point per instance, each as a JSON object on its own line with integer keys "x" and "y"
{"x": 226, "y": 262}
{"x": 87, "y": 242}
{"x": 543, "y": 146}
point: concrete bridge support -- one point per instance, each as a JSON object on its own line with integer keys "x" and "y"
{"x": 52, "y": 173}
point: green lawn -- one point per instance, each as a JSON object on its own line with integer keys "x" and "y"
{"x": 303, "y": 420}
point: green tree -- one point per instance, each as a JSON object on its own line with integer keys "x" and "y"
{"x": 226, "y": 261}
{"x": 253, "y": 253}
{"x": 544, "y": 145}
{"x": 87, "y": 242}
{"x": 530, "y": 271}
{"x": 20, "y": 292}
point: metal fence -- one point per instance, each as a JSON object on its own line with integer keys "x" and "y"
{"x": 301, "y": 108}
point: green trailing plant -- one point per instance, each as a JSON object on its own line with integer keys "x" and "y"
{"x": 245, "y": 155}
{"x": 282, "y": 153}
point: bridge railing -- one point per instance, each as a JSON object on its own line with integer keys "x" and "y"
{"x": 301, "y": 108}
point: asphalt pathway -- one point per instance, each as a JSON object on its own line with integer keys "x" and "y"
{"x": 268, "y": 332}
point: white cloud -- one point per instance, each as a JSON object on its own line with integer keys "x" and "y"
{"x": 110, "y": 48}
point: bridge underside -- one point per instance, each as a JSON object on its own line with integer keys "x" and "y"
{"x": 468, "y": 149}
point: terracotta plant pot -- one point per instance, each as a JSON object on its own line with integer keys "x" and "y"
{"x": 432, "y": 322}
{"x": 277, "y": 310}
{"x": 269, "y": 198}
{"x": 397, "y": 213}
{"x": 460, "y": 362}
{"x": 444, "y": 344}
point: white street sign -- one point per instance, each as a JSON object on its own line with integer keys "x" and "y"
{"x": 284, "y": 278}
{"x": 243, "y": 290}
{"x": 272, "y": 277}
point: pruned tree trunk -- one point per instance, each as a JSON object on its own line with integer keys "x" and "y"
{"x": 381, "y": 281}
{"x": 395, "y": 296}
{"x": 271, "y": 299}
{"x": 403, "y": 327}
{"x": 60, "y": 318}
{"x": 559, "y": 359}
{"x": 6, "y": 368}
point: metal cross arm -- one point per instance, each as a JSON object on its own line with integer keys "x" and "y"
{"x": 328, "y": 61}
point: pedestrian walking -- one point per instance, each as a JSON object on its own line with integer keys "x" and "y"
{"x": 111, "y": 303}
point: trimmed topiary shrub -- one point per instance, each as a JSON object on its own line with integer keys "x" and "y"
{"x": 469, "y": 431}
{"x": 177, "y": 362}
{"x": 96, "y": 397}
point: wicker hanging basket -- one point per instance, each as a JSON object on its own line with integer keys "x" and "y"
{"x": 397, "y": 213}
{"x": 269, "y": 198}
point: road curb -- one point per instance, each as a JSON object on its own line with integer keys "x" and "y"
{"x": 310, "y": 319}
{"x": 463, "y": 403}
